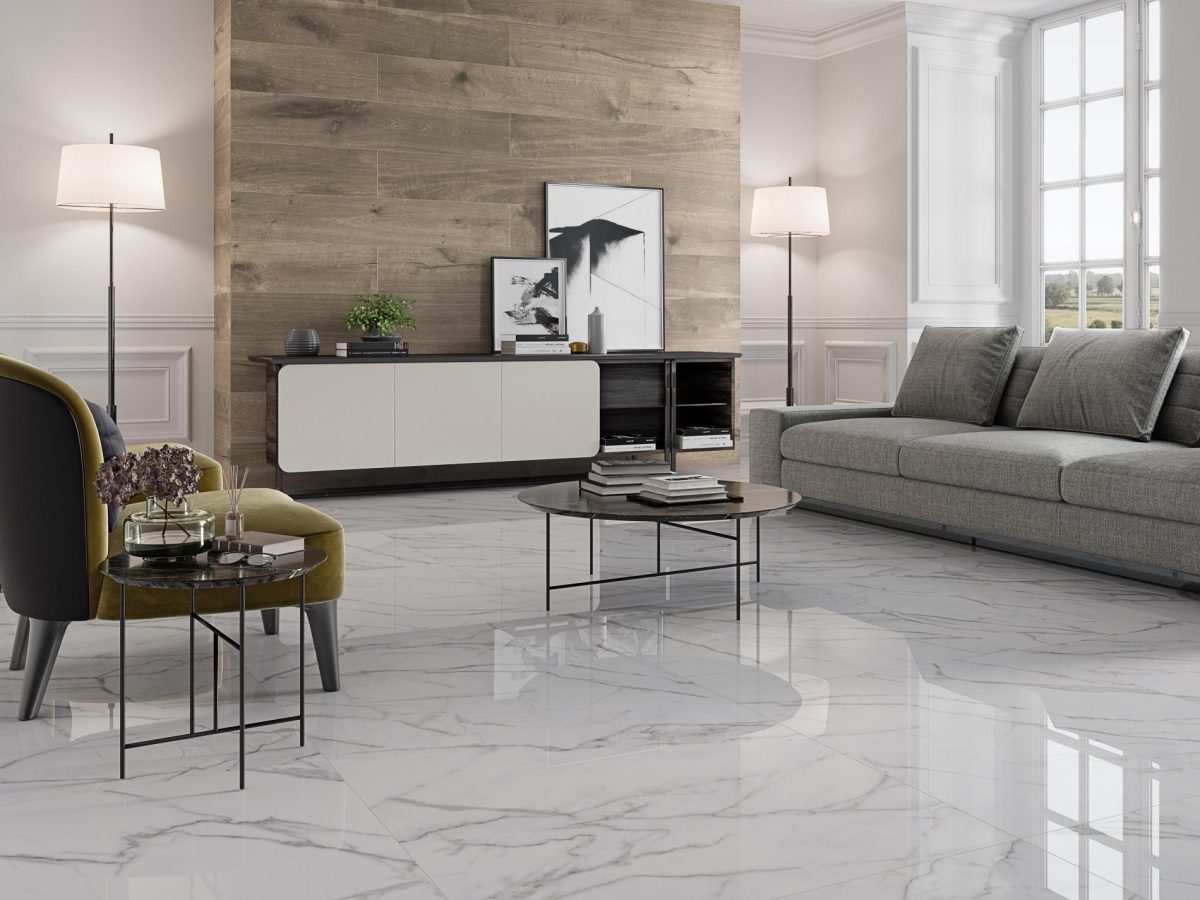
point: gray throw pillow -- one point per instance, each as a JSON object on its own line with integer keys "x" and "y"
{"x": 1179, "y": 420}
{"x": 112, "y": 443}
{"x": 958, "y": 374}
{"x": 1103, "y": 382}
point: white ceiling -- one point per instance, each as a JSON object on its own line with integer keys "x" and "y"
{"x": 814, "y": 15}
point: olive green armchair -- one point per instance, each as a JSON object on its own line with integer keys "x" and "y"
{"x": 54, "y": 535}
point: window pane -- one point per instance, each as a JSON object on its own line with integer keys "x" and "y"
{"x": 1105, "y": 52}
{"x": 1060, "y": 293}
{"x": 1154, "y": 293}
{"x": 1060, "y": 225}
{"x": 1152, "y": 214}
{"x": 1153, "y": 129}
{"x": 1104, "y": 222}
{"x": 1154, "y": 41}
{"x": 1105, "y": 137}
{"x": 1105, "y": 308}
{"x": 1060, "y": 144}
{"x": 1060, "y": 62}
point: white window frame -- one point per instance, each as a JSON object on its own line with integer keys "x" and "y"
{"x": 1135, "y": 266}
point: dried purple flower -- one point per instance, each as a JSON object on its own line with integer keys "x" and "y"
{"x": 165, "y": 474}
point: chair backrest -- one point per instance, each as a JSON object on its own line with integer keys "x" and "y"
{"x": 53, "y": 527}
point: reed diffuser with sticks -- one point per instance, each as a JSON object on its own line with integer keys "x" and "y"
{"x": 235, "y": 484}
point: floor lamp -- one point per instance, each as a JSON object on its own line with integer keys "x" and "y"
{"x": 790, "y": 211}
{"x": 114, "y": 178}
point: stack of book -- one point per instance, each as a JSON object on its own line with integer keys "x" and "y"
{"x": 628, "y": 443}
{"x": 675, "y": 490}
{"x": 703, "y": 437}
{"x": 536, "y": 345}
{"x": 621, "y": 477}
{"x": 349, "y": 349}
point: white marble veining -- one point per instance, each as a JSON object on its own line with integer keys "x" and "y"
{"x": 894, "y": 717}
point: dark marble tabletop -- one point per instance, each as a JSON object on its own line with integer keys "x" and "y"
{"x": 204, "y": 571}
{"x": 566, "y": 499}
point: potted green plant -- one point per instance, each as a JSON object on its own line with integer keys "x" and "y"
{"x": 380, "y": 316}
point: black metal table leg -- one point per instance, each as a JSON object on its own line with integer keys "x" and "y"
{"x": 591, "y": 546}
{"x": 547, "y": 562}
{"x": 216, "y": 678}
{"x": 242, "y": 687}
{"x": 192, "y": 663}
{"x": 758, "y": 548}
{"x": 658, "y": 546}
{"x": 122, "y": 680}
{"x": 303, "y": 578}
{"x": 737, "y": 569}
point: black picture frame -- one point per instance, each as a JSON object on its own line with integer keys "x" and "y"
{"x": 567, "y": 215}
{"x": 533, "y": 299}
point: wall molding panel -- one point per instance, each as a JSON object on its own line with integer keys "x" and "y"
{"x": 774, "y": 323}
{"x": 764, "y": 372}
{"x": 153, "y": 385}
{"x": 164, "y": 321}
{"x": 860, "y": 371}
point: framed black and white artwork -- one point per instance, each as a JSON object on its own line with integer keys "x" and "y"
{"x": 527, "y": 297}
{"x": 612, "y": 240}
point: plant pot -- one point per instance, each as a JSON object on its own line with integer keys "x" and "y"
{"x": 166, "y": 531}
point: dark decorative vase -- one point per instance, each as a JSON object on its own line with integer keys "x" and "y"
{"x": 302, "y": 342}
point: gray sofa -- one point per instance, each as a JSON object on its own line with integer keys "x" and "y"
{"x": 1109, "y": 502}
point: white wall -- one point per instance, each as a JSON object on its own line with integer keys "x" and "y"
{"x": 70, "y": 72}
{"x": 1181, "y": 175}
{"x": 779, "y": 139}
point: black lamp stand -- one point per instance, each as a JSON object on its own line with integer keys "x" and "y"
{"x": 112, "y": 319}
{"x": 791, "y": 385}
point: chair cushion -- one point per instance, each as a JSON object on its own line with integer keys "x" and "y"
{"x": 266, "y": 510}
{"x": 1025, "y": 367}
{"x": 1179, "y": 419}
{"x": 866, "y": 445}
{"x": 112, "y": 444}
{"x": 958, "y": 374}
{"x": 1161, "y": 482}
{"x": 1103, "y": 382}
{"x": 1004, "y": 460}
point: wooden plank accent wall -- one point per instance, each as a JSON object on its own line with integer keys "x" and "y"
{"x": 396, "y": 145}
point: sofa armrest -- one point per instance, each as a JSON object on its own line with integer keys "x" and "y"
{"x": 768, "y": 425}
{"x": 211, "y": 477}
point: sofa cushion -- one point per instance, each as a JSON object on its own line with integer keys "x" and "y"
{"x": 867, "y": 445}
{"x": 1005, "y": 460}
{"x": 1179, "y": 419}
{"x": 1025, "y": 367}
{"x": 1161, "y": 482}
{"x": 958, "y": 374}
{"x": 1103, "y": 382}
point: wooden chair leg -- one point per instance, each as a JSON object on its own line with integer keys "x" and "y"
{"x": 322, "y": 622}
{"x": 44, "y": 640}
{"x": 20, "y": 644}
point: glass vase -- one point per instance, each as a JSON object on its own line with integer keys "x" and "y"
{"x": 235, "y": 525}
{"x": 169, "y": 531}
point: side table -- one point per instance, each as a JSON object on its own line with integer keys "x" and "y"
{"x": 204, "y": 573}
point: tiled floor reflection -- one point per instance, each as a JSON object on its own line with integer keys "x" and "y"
{"x": 894, "y": 717}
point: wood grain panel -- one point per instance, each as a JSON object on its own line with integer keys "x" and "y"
{"x": 365, "y": 27}
{"x": 683, "y": 149}
{"x": 312, "y": 218}
{"x": 310, "y": 268}
{"x": 598, "y": 15}
{"x": 316, "y": 72}
{"x": 699, "y": 24}
{"x": 294, "y": 169}
{"x": 445, "y": 176}
{"x": 410, "y": 270}
{"x": 703, "y": 277}
{"x": 286, "y": 119}
{"x": 434, "y": 82}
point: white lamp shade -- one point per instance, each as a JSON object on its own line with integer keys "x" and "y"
{"x": 96, "y": 176}
{"x": 790, "y": 209}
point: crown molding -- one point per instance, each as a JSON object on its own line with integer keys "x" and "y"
{"x": 848, "y": 35}
{"x": 895, "y": 20}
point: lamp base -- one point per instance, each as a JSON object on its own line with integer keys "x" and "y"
{"x": 791, "y": 396}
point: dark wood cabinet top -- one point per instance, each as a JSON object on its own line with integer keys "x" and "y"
{"x": 629, "y": 357}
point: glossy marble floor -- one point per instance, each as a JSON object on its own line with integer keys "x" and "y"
{"x": 895, "y": 717}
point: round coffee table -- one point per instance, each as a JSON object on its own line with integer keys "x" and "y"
{"x": 757, "y": 500}
{"x": 204, "y": 573}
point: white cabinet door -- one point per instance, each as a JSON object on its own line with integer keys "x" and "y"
{"x": 551, "y": 409}
{"x": 336, "y": 417}
{"x": 447, "y": 413}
